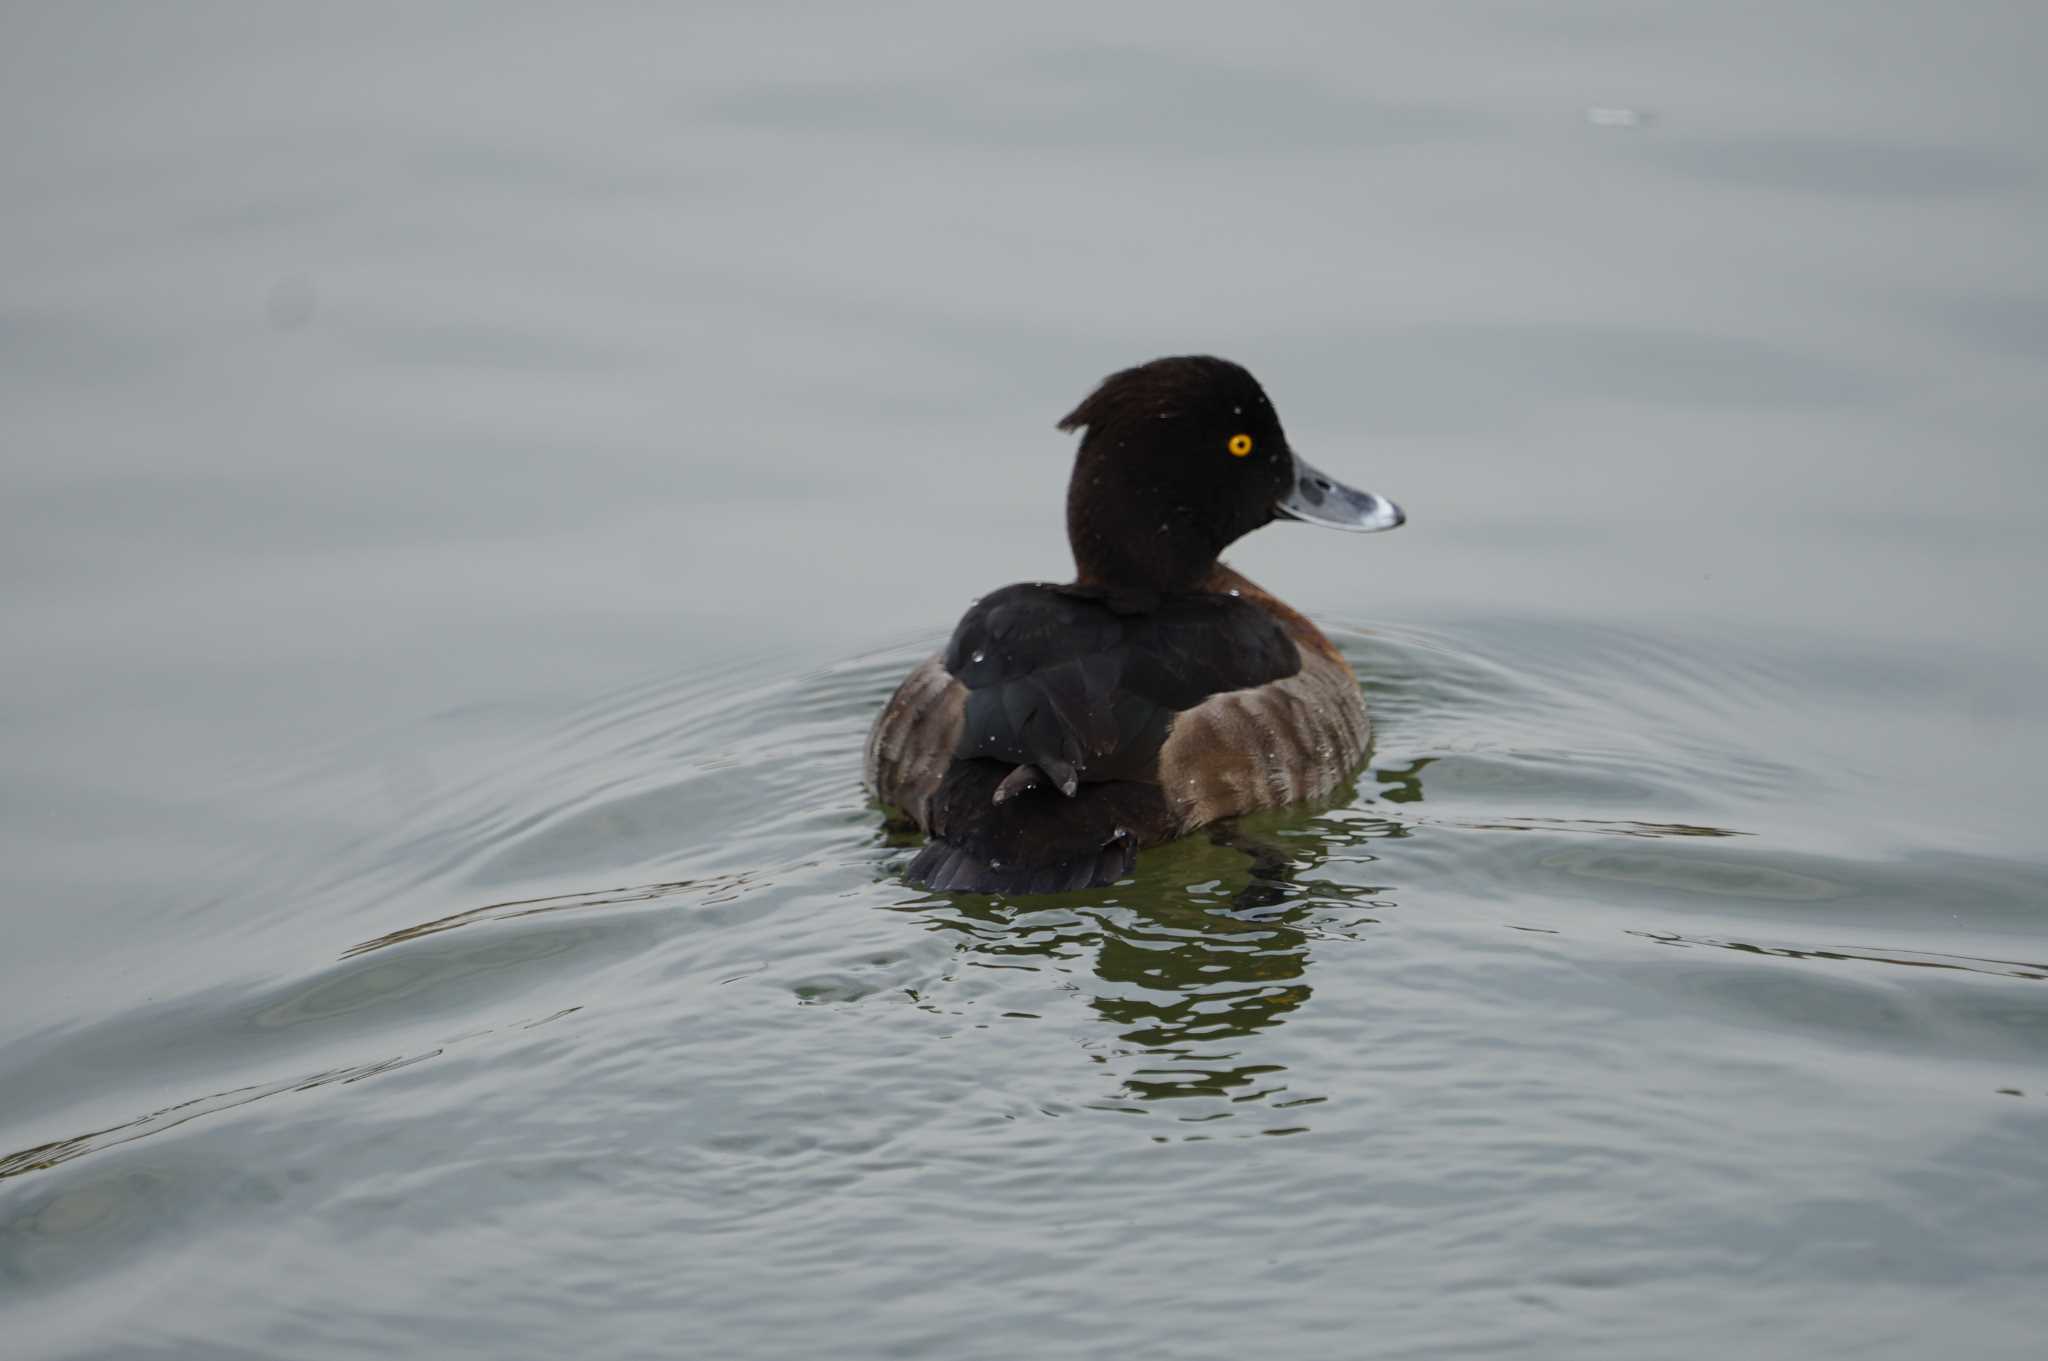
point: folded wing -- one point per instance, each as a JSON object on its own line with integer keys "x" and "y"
{"x": 1068, "y": 683}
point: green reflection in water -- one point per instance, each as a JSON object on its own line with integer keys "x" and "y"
{"x": 1403, "y": 784}
{"x": 1179, "y": 989}
{"x": 1206, "y": 950}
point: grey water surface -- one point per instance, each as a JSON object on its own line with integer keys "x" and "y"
{"x": 472, "y": 472}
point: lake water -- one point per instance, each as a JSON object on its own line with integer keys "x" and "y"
{"x": 472, "y": 473}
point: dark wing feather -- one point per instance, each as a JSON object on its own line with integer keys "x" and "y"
{"x": 1058, "y": 679}
{"x": 1196, "y": 646}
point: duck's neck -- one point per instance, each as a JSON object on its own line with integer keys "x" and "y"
{"x": 1164, "y": 554}
{"x": 1135, "y": 575}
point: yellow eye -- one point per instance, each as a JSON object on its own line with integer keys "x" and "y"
{"x": 1240, "y": 445}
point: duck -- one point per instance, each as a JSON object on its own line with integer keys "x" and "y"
{"x": 1067, "y": 726}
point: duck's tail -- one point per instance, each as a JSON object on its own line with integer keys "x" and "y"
{"x": 996, "y": 828}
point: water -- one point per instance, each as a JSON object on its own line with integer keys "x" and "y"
{"x": 472, "y": 475}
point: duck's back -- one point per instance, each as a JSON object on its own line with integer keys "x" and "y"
{"x": 1064, "y": 728}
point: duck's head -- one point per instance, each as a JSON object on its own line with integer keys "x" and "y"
{"x": 1181, "y": 457}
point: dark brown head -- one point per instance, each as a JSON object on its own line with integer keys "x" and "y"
{"x": 1180, "y": 458}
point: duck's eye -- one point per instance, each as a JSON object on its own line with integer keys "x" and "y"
{"x": 1240, "y": 445}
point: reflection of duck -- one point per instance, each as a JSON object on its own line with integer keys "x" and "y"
{"x": 1186, "y": 975}
{"x": 1177, "y": 987}
{"x": 1064, "y": 727}
{"x": 1180, "y": 982}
